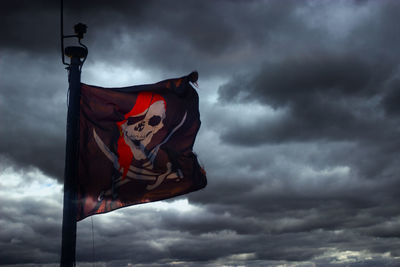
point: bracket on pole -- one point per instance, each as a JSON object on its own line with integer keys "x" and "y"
{"x": 74, "y": 51}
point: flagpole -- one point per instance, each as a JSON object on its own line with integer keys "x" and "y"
{"x": 75, "y": 53}
{"x": 71, "y": 158}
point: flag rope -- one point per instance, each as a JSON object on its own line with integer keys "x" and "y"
{"x": 93, "y": 252}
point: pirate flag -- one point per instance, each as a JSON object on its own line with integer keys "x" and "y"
{"x": 136, "y": 144}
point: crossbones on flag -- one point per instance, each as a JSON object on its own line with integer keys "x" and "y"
{"x": 136, "y": 144}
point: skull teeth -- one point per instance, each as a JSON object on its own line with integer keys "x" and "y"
{"x": 140, "y": 137}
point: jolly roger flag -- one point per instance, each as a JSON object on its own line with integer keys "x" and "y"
{"x": 136, "y": 144}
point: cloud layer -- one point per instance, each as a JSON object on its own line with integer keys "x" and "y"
{"x": 300, "y": 125}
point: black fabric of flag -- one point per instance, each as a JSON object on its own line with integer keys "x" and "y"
{"x": 136, "y": 144}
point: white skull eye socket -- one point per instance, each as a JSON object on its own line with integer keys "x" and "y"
{"x": 133, "y": 120}
{"x": 154, "y": 121}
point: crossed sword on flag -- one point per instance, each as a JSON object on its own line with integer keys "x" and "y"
{"x": 139, "y": 173}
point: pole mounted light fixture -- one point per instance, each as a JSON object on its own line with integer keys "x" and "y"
{"x": 72, "y": 51}
{"x": 80, "y": 30}
{"x": 75, "y": 51}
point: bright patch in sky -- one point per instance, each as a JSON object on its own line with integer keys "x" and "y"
{"x": 347, "y": 257}
{"x": 28, "y": 184}
{"x": 106, "y": 75}
{"x": 180, "y": 205}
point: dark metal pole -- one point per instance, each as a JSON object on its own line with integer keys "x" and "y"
{"x": 71, "y": 158}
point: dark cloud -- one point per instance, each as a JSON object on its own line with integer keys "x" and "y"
{"x": 391, "y": 99}
{"x": 30, "y": 26}
{"x": 332, "y": 93}
{"x": 34, "y": 110}
{"x": 30, "y": 217}
{"x": 154, "y": 34}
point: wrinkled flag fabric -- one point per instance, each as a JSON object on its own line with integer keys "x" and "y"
{"x": 136, "y": 144}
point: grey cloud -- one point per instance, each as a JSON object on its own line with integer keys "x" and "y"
{"x": 30, "y": 232}
{"x": 34, "y": 110}
{"x": 149, "y": 237}
{"x": 154, "y": 34}
{"x": 391, "y": 99}
{"x": 338, "y": 90}
{"x": 328, "y": 97}
{"x": 322, "y": 74}
{"x": 30, "y": 26}
{"x": 314, "y": 183}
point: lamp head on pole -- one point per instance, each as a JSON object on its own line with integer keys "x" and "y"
{"x": 80, "y": 30}
{"x": 75, "y": 51}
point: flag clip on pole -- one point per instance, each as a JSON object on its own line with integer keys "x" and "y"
{"x": 77, "y": 55}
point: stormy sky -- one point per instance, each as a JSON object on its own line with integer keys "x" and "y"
{"x": 300, "y": 110}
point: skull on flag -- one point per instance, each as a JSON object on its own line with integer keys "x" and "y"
{"x": 135, "y": 159}
{"x": 140, "y": 125}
